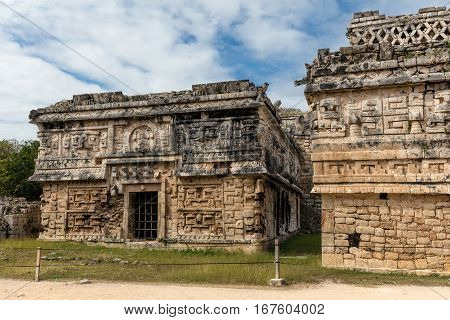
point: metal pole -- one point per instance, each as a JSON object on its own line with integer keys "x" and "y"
{"x": 277, "y": 281}
{"x": 38, "y": 265}
{"x": 277, "y": 258}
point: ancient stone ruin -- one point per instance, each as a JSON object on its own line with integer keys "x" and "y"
{"x": 380, "y": 143}
{"x": 208, "y": 166}
{"x": 19, "y": 218}
{"x": 222, "y": 165}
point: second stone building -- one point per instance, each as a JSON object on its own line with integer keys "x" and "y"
{"x": 207, "y": 166}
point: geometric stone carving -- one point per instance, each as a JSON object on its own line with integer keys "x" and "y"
{"x": 85, "y": 199}
{"x": 415, "y": 112}
{"x": 439, "y": 119}
{"x": 395, "y": 115}
{"x": 371, "y": 117}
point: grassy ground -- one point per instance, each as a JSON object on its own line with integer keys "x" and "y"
{"x": 71, "y": 261}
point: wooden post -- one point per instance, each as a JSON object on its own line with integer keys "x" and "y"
{"x": 38, "y": 264}
{"x": 277, "y": 281}
{"x": 277, "y": 258}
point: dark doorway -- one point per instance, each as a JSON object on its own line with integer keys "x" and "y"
{"x": 145, "y": 208}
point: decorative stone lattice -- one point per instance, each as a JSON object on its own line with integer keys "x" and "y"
{"x": 430, "y": 25}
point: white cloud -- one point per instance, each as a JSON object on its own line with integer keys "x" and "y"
{"x": 399, "y": 7}
{"x": 162, "y": 45}
{"x": 27, "y": 82}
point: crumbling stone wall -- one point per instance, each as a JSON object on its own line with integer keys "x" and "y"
{"x": 298, "y": 126}
{"x": 216, "y": 155}
{"x": 19, "y": 218}
{"x": 380, "y": 143}
{"x": 408, "y": 232}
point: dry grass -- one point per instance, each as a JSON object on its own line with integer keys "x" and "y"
{"x": 71, "y": 261}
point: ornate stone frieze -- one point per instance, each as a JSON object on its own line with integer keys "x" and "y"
{"x": 406, "y": 170}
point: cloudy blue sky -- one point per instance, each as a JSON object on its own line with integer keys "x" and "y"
{"x": 155, "y": 46}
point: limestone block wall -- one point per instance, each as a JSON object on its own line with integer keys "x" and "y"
{"x": 19, "y": 217}
{"x": 391, "y": 232}
{"x": 298, "y": 126}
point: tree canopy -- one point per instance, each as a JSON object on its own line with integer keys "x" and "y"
{"x": 17, "y": 162}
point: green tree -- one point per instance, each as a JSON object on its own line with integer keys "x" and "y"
{"x": 7, "y": 147}
{"x": 17, "y": 163}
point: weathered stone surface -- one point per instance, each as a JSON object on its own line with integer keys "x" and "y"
{"x": 220, "y": 167}
{"x": 19, "y": 217}
{"x": 380, "y": 124}
{"x": 298, "y": 126}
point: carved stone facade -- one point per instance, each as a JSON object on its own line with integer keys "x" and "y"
{"x": 380, "y": 143}
{"x": 207, "y": 166}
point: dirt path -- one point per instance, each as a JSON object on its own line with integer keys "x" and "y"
{"x": 16, "y": 289}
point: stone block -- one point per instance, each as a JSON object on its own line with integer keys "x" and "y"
{"x": 376, "y": 264}
{"x": 350, "y": 209}
{"x": 383, "y": 210}
{"x": 332, "y": 260}
{"x": 406, "y": 264}
{"x": 372, "y": 210}
{"x": 344, "y": 228}
{"x": 362, "y": 210}
{"x": 376, "y": 239}
{"x": 447, "y": 267}
{"x": 409, "y": 234}
{"x": 365, "y": 237}
{"x": 423, "y": 240}
{"x": 327, "y": 221}
{"x": 363, "y": 223}
{"x": 350, "y": 221}
{"x": 421, "y": 263}
{"x": 391, "y": 264}
{"x": 349, "y": 263}
{"x": 327, "y": 203}
{"x": 379, "y": 232}
{"x": 429, "y": 213}
{"x": 391, "y": 255}
{"x": 361, "y": 263}
{"x": 365, "y": 230}
{"x": 378, "y": 255}
{"x": 389, "y": 233}
{"x": 327, "y": 240}
{"x": 341, "y": 243}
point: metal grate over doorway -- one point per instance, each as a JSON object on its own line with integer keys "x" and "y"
{"x": 145, "y": 207}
